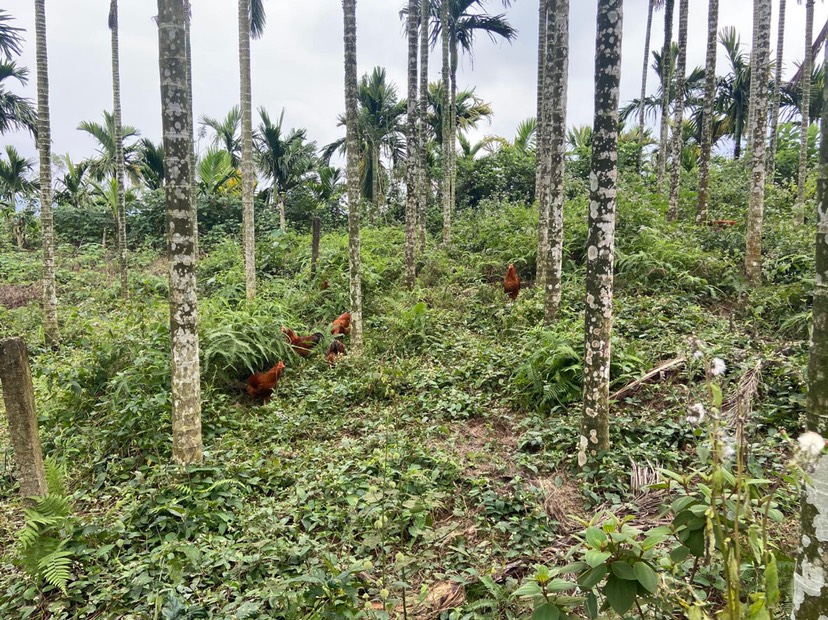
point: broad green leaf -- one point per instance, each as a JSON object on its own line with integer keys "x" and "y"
{"x": 620, "y": 594}
{"x": 591, "y": 606}
{"x": 595, "y": 537}
{"x": 592, "y": 577}
{"x": 559, "y": 585}
{"x": 530, "y": 588}
{"x": 717, "y": 395}
{"x": 679, "y": 554}
{"x": 771, "y": 581}
{"x": 623, "y": 570}
{"x": 547, "y": 611}
{"x": 595, "y": 557}
{"x": 646, "y": 576}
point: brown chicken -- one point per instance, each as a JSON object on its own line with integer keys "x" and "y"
{"x": 335, "y": 351}
{"x": 511, "y": 283}
{"x": 303, "y": 345}
{"x": 261, "y": 384}
{"x": 342, "y": 324}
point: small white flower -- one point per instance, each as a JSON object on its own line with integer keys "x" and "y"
{"x": 697, "y": 414}
{"x": 728, "y": 447}
{"x": 697, "y": 355}
{"x": 811, "y": 443}
{"x": 717, "y": 367}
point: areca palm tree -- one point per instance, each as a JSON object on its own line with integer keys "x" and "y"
{"x": 11, "y": 37}
{"x": 44, "y": 144}
{"x": 464, "y": 21}
{"x": 805, "y": 86}
{"x": 16, "y": 112}
{"x": 706, "y": 145}
{"x": 733, "y": 90}
{"x": 117, "y": 135}
{"x": 216, "y": 173}
{"x": 225, "y": 132}
{"x": 469, "y": 111}
{"x": 105, "y": 134}
{"x": 790, "y": 99}
{"x": 678, "y": 121}
{"x": 652, "y": 5}
{"x": 777, "y": 88}
{"x": 251, "y": 24}
{"x": 74, "y": 183}
{"x": 15, "y": 181}
{"x": 327, "y": 188}
{"x": 352, "y": 149}
{"x": 665, "y": 100}
{"x": 285, "y": 158}
{"x": 412, "y": 149}
{"x": 422, "y": 138}
{"x": 150, "y": 164}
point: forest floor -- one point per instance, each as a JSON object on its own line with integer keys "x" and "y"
{"x": 434, "y": 471}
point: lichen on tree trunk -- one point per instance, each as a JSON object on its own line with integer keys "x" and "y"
{"x": 777, "y": 89}
{"x": 805, "y": 109}
{"x": 678, "y": 119}
{"x": 707, "y": 113}
{"x": 412, "y": 147}
{"x": 663, "y": 143}
{"x": 120, "y": 218}
{"x": 352, "y": 145}
{"x": 601, "y": 236}
{"x": 247, "y": 173}
{"x": 556, "y": 130}
{"x": 542, "y": 129}
{"x": 44, "y": 146}
{"x": 753, "y": 241}
{"x": 644, "y": 72}
{"x": 446, "y": 125}
{"x": 423, "y": 184}
{"x": 186, "y": 386}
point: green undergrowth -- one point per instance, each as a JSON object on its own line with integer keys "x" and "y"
{"x": 430, "y": 459}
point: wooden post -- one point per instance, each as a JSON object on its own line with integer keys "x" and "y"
{"x": 18, "y": 395}
{"x": 315, "y": 246}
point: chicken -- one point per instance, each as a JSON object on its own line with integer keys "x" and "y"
{"x": 511, "y": 283}
{"x": 335, "y": 351}
{"x": 722, "y": 223}
{"x": 291, "y": 335}
{"x": 303, "y": 345}
{"x": 342, "y": 324}
{"x": 261, "y": 384}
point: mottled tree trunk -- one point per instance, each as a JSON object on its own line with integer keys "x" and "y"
{"x": 18, "y": 396}
{"x": 282, "y": 216}
{"x": 186, "y": 386}
{"x": 753, "y": 249}
{"x": 754, "y": 83}
{"x": 423, "y": 191}
{"x": 120, "y": 166}
{"x": 559, "y": 76}
{"x": 601, "y": 235}
{"x": 707, "y": 112}
{"x": 412, "y": 147}
{"x": 678, "y": 119}
{"x": 543, "y": 160}
{"x": 542, "y": 13}
{"x": 316, "y": 234}
{"x": 453, "y": 128}
{"x": 666, "y": 51}
{"x": 188, "y": 16}
{"x": 44, "y": 147}
{"x": 645, "y": 69}
{"x": 446, "y": 125}
{"x": 810, "y": 599}
{"x": 777, "y": 89}
{"x": 352, "y": 143}
{"x": 805, "y": 83}
{"x": 247, "y": 173}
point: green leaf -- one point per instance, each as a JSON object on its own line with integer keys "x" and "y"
{"x": 695, "y": 542}
{"x": 530, "y": 588}
{"x": 591, "y": 605}
{"x": 559, "y": 585}
{"x": 547, "y": 611}
{"x": 679, "y": 554}
{"x": 717, "y": 395}
{"x": 595, "y": 537}
{"x": 771, "y": 581}
{"x": 595, "y": 557}
{"x": 623, "y": 570}
{"x": 620, "y": 593}
{"x": 646, "y": 576}
{"x": 592, "y": 577}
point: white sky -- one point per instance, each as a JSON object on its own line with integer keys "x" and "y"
{"x": 298, "y": 63}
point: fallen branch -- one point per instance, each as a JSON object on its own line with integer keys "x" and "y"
{"x": 666, "y": 367}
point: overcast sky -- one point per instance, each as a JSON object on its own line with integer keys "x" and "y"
{"x": 298, "y": 63}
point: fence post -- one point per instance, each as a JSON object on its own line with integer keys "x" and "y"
{"x": 18, "y": 395}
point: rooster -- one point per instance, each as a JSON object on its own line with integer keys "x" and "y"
{"x": 511, "y": 283}
{"x": 342, "y": 324}
{"x": 335, "y": 351}
{"x": 303, "y": 345}
{"x": 260, "y": 385}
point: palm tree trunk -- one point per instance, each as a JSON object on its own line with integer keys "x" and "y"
{"x": 453, "y": 125}
{"x": 542, "y": 12}
{"x": 754, "y": 83}
{"x": 812, "y": 572}
{"x": 422, "y": 201}
{"x": 316, "y": 228}
{"x": 412, "y": 147}
{"x": 666, "y": 58}
{"x": 645, "y": 69}
{"x": 446, "y": 122}
{"x": 753, "y": 249}
{"x": 44, "y": 145}
{"x": 738, "y": 130}
{"x": 707, "y": 113}
{"x": 557, "y": 99}
{"x": 352, "y": 141}
{"x": 375, "y": 183}
{"x": 601, "y": 235}
{"x": 282, "y": 222}
{"x": 120, "y": 167}
{"x": 805, "y": 82}
{"x": 186, "y": 385}
{"x": 678, "y": 121}
{"x": 543, "y": 157}
{"x": 187, "y": 16}
{"x": 777, "y": 89}
{"x": 248, "y": 180}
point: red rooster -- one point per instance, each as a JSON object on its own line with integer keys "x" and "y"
{"x": 302, "y": 345}
{"x": 342, "y": 324}
{"x": 511, "y": 283}
{"x": 261, "y": 384}
{"x": 335, "y": 351}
